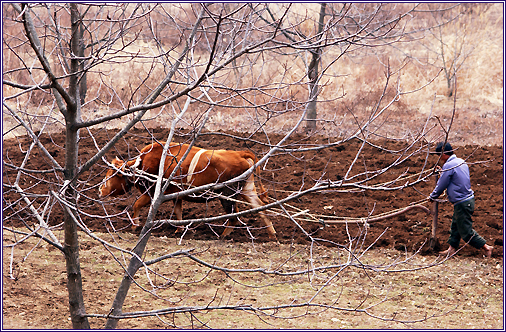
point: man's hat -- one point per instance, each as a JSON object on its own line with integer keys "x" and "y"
{"x": 448, "y": 148}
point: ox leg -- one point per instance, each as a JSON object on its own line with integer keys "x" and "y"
{"x": 249, "y": 194}
{"x": 178, "y": 211}
{"x": 140, "y": 203}
{"x": 229, "y": 207}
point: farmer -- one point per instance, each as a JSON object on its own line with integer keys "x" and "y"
{"x": 455, "y": 179}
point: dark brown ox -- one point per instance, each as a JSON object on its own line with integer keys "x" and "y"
{"x": 200, "y": 167}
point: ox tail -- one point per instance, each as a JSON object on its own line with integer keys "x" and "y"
{"x": 261, "y": 191}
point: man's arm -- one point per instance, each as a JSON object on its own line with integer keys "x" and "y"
{"x": 442, "y": 184}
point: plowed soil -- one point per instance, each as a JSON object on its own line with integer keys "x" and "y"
{"x": 286, "y": 172}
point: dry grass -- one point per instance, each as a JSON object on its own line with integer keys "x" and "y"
{"x": 352, "y": 85}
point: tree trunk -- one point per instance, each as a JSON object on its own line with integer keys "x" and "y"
{"x": 313, "y": 92}
{"x": 83, "y": 87}
{"x": 451, "y": 84}
{"x": 71, "y": 244}
{"x": 312, "y": 73}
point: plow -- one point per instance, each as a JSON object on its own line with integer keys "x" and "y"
{"x": 305, "y": 215}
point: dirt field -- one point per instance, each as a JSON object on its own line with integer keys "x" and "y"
{"x": 286, "y": 172}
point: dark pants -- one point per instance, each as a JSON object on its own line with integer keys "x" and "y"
{"x": 462, "y": 226}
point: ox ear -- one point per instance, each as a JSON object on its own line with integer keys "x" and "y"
{"x": 117, "y": 162}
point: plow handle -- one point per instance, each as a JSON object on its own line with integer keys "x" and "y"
{"x": 434, "y": 220}
{"x": 433, "y": 240}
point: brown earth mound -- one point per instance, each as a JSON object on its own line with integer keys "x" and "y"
{"x": 284, "y": 173}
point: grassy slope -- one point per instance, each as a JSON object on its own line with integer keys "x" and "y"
{"x": 358, "y": 78}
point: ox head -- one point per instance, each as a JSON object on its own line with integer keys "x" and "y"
{"x": 114, "y": 183}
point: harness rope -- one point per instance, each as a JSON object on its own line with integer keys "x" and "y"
{"x": 322, "y": 219}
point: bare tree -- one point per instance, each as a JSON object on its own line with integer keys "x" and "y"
{"x": 204, "y": 58}
{"x": 349, "y": 29}
{"x": 453, "y": 48}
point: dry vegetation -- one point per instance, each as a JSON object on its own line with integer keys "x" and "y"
{"x": 352, "y": 84}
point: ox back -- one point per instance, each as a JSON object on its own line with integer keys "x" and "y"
{"x": 153, "y": 153}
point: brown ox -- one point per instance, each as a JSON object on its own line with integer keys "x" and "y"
{"x": 199, "y": 168}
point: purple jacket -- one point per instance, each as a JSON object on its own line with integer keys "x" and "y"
{"x": 455, "y": 179}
